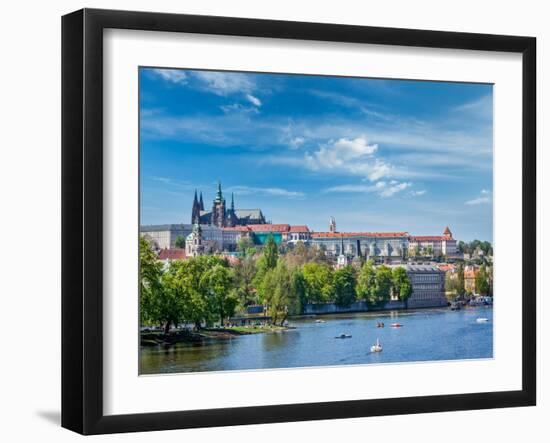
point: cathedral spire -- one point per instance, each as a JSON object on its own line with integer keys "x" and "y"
{"x": 232, "y": 203}
{"x": 219, "y": 196}
{"x": 201, "y": 203}
{"x": 195, "y": 211}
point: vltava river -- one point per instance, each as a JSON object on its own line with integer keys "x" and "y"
{"x": 426, "y": 335}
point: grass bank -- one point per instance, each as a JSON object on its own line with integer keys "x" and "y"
{"x": 187, "y": 336}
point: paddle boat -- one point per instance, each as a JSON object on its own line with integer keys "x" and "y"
{"x": 482, "y": 320}
{"x": 376, "y": 347}
{"x": 343, "y": 336}
{"x": 396, "y": 325}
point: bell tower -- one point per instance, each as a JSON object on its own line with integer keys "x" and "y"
{"x": 218, "y": 209}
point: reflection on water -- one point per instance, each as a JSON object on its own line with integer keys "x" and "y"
{"x": 426, "y": 335}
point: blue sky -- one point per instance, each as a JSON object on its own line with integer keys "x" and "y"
{"x": 377, "y": 154}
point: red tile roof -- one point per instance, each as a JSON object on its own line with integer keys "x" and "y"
{"x": 299, "y": 228}
{"x": 270, "y": 228}
{"x": 358, "y": 234}
{"x": 429, "y": 238}
{"x": 172, "y": 254}
{"x": 237, "y": 228}
{"x": 447, "y": 267}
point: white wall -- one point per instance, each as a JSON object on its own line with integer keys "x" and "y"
{"x": 30, "y": 190}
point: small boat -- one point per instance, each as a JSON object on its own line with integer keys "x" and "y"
{"x": 482, "y": 320}
{"x": 320, "y": 321}
{"x": 379, "y": 324}
{"x": 396, "y": 325}
{"x": 343, "y": 336}
{"x": 376, "y": 347}
{"x": 455, "y": 306}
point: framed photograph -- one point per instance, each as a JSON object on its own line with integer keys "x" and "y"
{"x": 269, "y": 221}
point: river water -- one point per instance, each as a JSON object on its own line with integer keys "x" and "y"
{"x": 426, "y": 335}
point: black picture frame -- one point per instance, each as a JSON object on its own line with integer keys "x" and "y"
{"x": 82, "y": 218}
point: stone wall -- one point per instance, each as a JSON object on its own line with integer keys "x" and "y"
{"x": 359, "y": 306}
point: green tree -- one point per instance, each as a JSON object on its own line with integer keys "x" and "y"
{"x": 245, "y": 272}
{"x": 344, "y": 286}
{"x": 197, "y": 307}
{"x": 150, "y": 271}
{"x": 460, "y": 279}
{"x": 401, "y": 284}
{"x": 482, "y": 281}
{"x": 366, "y": 280}
{"x": 319, "y": 282}
{"x": 270, "y": 253}
{"x": 180, "y": 242}
{"x": 217, "y": 282}
{"x": 171, "y": 299}
{"x": 299, "y": 298}
{"x": 299, "y": 255}
{"x": 277, "y": 292}
{"x": 267, "y": 261}
{"x": 382, "y": 286}
{"x": 245, "y": 246}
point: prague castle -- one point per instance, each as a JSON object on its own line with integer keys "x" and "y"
{"x": 222, "y": 216}
{"x": 221, "y": 227}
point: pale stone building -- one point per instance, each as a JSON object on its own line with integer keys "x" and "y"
{"x": 428, "y": 284}
{"x": 433, "y": 245}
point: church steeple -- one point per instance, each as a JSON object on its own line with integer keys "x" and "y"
{"x": 218, "y": 209}
{"x": 232, "y": 203}
{"x": 219, "y": 196}
{"x": 201, "y": 203}
{"x": 195, "y": 212}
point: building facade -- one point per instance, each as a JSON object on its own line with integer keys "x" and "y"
{"x": 433, "y": 245}
{"x": 362, "y": 244}
{"x": 165, "y": 236}
{"x": 428, "y": 285}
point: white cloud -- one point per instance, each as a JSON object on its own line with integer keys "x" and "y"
{"x": 485, "y": 197}
{"x": 296, "y": 142}
{"x": 176, "y": 76}
{"x": 348, "y": 155}
{"x": 254, "y": 100}
{"x": 237, "y": 107}
{"x": 225, "y": 83}
{"x": 382, "y": 188}
{"x": 418, "y": 193}
{"x": 387, "y": 190}
{"x": 480, "y": 108}
{"x": 277, "y": 192}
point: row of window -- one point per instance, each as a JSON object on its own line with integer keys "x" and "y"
{"x": 427, "y": 295}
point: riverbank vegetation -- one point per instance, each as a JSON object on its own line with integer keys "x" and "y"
{"x": 464, "y": 285}
{"x": 206, "y": 290}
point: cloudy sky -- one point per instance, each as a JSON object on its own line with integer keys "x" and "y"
{"x": 379, "y": 155}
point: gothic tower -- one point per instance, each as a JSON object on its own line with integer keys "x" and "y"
{"x": 201, "y": 203}
{"x": 332, "y": 225}
{"x": 218, "y": 209}
{"x": 231, "y": 219}
{"x": 195, "y": 212}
